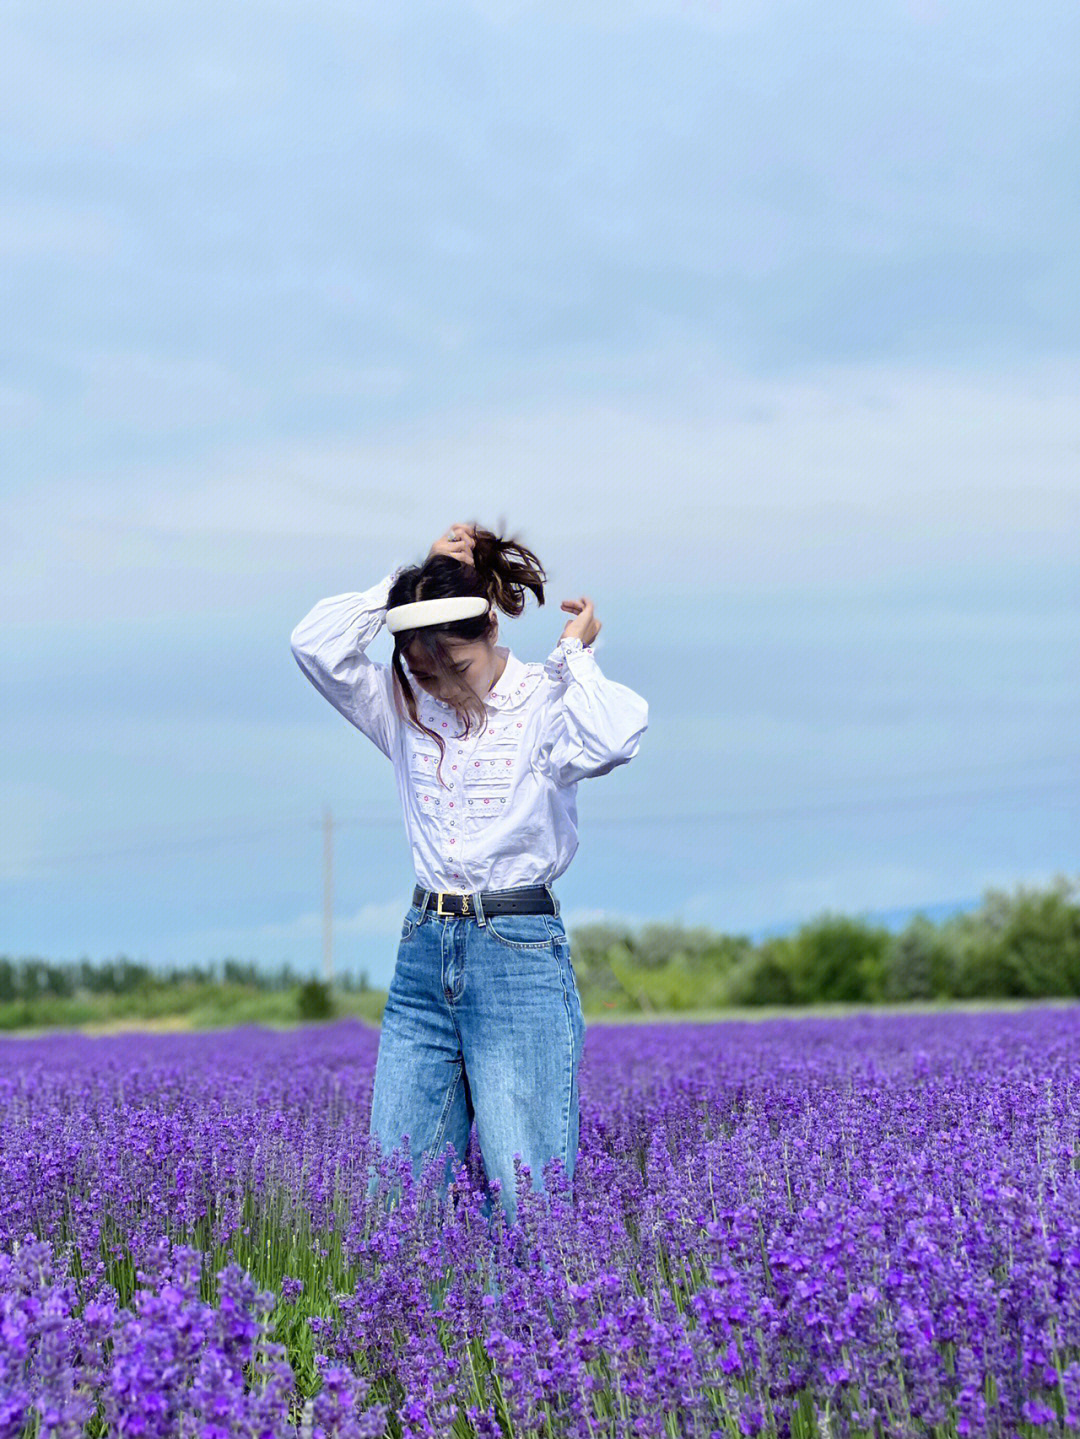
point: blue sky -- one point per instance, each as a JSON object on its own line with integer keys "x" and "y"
{"x": 759, "y": 323}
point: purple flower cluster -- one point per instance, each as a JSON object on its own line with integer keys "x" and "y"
{"x": 787, "y": 1227}
{"x": 170, "y": 1364}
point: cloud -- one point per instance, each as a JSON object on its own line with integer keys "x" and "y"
{"x": 160, "y": 394}
{"x": 840, "y": 478}
{"x": 35, "y": 228}
{"x": 20, "y": 407}
{"x": 106, "y": 77}
{"x": 851, "y": 887}
{"x": 497, "y": 190}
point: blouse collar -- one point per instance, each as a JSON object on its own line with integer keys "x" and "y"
{"x": 516, "y": 682}
{"x": 511, "y": 683}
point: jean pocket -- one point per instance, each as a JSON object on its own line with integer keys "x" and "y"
{"x": 411, "y": 921}
{"x": 562, "y": 953}
{"x": 520, "y": 931}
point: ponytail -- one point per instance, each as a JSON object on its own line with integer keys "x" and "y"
{"x": 502, "y": 571}
{"x": 508, "y": 568}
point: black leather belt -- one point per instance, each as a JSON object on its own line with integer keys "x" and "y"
{"x": 530, "y": 899}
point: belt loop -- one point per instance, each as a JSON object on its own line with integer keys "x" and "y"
{"x": 554, "y": 898}
{"x": 424, "y": 904}
{"x": 479, "y": 909}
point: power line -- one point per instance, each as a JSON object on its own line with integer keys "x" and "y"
{"x": 204, "y": 842}
{"x": 177, "y": 847}
{"x": 783, "y": 811}
{"x": 835, "y": 807}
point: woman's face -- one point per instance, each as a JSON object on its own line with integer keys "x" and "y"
{"x": 474, "y": 664}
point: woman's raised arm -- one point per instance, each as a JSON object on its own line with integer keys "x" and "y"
{"x": 329, "y": 644}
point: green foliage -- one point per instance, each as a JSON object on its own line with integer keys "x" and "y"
{"x": 32, "y": 977}
{"x": 663, "y": 966}
{"x": 836, "y": 958}
{"x": 1023, "y": 946}
{"x": 1041, "y": 937}
{"x": 765, "y": 976}
{"x": 315, "y": 1000}
{"x": 1019, "y": 946}
{"x": 920, "y": 963}
{"x": 591, "y": 944}
{"x": 203, "y": 1006}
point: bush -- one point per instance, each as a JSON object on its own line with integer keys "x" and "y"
{"x": 589, "y": 946}
{"x": 1024, "y": 946}
{"x": 764, "y": 977}
{"x": 1042, "y": 938}
{"x": 839, "y": 959}
{"x": 919, "y": 963}
{"x": 314, "y": 1000}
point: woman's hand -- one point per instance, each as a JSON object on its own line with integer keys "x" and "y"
{"x": 458, "y": 542}
{"x": 586, "y": 626}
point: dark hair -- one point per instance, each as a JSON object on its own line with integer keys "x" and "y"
{"x": 501, "y": 571}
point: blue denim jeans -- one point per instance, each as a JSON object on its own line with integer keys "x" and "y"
{"x": 482, "y": 1021}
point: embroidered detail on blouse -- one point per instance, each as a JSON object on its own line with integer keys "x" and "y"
{"x": 493, "y": 823}
{"x": 556, "y": 666}
{"x": 490, "y": 778}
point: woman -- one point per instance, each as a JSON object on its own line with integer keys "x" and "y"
{"x": 483, "y": 1018}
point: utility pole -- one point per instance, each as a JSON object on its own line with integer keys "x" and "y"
{"x": 328, "y": 897}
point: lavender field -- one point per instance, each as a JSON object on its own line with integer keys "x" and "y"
{"x": 867, "y": 1225}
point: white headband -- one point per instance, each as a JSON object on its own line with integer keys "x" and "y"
{"x": 434, "y": 612}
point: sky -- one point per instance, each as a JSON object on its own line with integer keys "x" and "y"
{"x": 758, "y": 322}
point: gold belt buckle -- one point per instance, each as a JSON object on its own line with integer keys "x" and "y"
{"x": 438, "y": 903}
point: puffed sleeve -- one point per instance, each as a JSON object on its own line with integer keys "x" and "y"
{"x": 595, "y": 724}
{"x": 329, "y": 644}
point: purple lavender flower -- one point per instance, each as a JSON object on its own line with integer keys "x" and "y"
{"x": 872, "y": 1219}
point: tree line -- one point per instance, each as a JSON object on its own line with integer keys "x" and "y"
{"x": 1023, "y": 945}
{"x": 37, "y": 978}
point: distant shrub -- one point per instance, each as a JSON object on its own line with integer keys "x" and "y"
{"x": 1021, "y": 945}
{"x": 919, "y": 963}
{"x": 1042, "y": 940}
{"x": 702, "y": 950}
{"x": 314, "y": 1000}
{"x": 764, "y": 976}
{"x": 589, "y": 946}
{"x": 839, "y": 959}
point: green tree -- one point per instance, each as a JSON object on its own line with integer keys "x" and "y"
{"x": 765, "y": 976}
{"x": 1038, "y": 946}
{"x": 314, "y": 1000}
{"x": 919, "y": 963}
{"x": 838, "y": 958}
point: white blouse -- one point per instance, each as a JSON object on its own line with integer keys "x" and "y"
{"x": 501, "y": 809}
